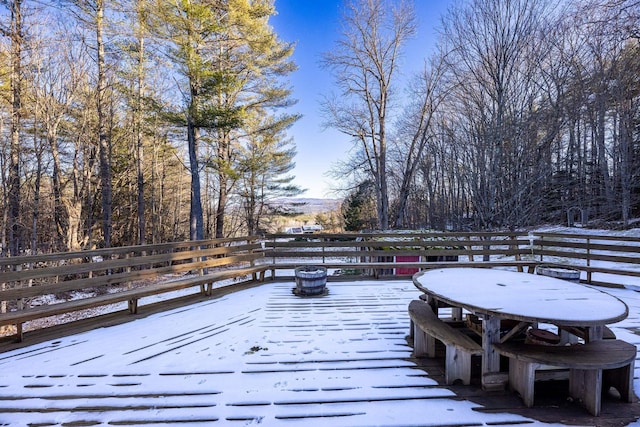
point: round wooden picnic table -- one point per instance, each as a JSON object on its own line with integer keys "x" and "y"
{"x": 495, "y": 295}
{"x": 520, "y": 296}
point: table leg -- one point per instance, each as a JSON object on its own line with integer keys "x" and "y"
{"x": 595, "y": 333}
{"x": 433, "y": 303}
{"x": 567, "y": 337}
{"x": 490, "y": 357}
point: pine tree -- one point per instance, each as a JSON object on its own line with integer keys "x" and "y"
{"x": 266, "y": 159}
{"x": 258, "y": 62}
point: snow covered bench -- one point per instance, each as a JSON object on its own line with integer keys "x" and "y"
{"x": 593, "y": 368}
{"x": 427, "y": 328}
{"x": 83, "y": 281}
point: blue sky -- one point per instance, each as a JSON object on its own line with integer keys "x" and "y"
{"x": 314, "y": 26}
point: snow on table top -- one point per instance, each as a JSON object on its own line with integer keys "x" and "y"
{"x": 522, "y": 296}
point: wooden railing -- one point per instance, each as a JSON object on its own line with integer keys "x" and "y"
{"x": 381, "y": 244}
{"x": 141, "y": 271}
{"x": 383, "y": 254}
{"x": 39, "y": 286}
{"x": 604, "y": 259}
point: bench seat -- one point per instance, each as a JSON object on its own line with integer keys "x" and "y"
{"x": 427, "y": 328}
{"x": 18, "y": 317}
{"x": 593, "y": 368}
{"x": 607, "y": 333}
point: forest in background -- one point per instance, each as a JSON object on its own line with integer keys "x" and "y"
{"x": 140, "y": 121}
{"x": 527, "y": 113}
{"x": 146, "y": 121}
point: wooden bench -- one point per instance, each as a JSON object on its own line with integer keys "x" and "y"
{"x": 572, "y": 333}
{"x": 199, "y": 267}
{"x": 593, "y": 368}
{"x": 427, "y": 328}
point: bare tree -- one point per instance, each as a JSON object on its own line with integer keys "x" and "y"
{"x": 103, "y": 139}
{"x": 140, "y": 82}
{"x": 415, "y": 130}
{"x": 57, "y": 86}
{"x": 495, "y": 49}
{"x": 92, "y": 14}
{"x": 15, "y": 34}
{"x": 365, "y": 65}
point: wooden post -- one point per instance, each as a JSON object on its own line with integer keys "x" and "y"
{"x": 490, "y": 357}
{"x": 516, "y": 248}
{"x": 541, "y": 248}
{"x": 19, "y": 332}
{"x": 252, "y": 262}
{"x": 586, "y": 386}
{"x": 594, "y": 333}
{"x": 588, "y": 260}
{"x": 133, "y": 306}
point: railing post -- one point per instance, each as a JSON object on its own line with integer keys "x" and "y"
{"x": 128, "y": 269}
{"x": 20, "y": 306}
{"x": 515, "y": 246}
{"x": 273, "y": 257}
{"x": 588, "y": 260}
{"x": 541, "y": 248}
{"x": 531, "y": 238}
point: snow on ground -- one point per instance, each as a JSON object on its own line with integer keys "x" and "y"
{"x": 258, "y": 356}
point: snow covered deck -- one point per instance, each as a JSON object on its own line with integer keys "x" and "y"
{"x": 263, "y": 356}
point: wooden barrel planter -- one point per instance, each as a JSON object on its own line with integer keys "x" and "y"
{"x": 559, "y": 272}
{"x": 310, "y": 280}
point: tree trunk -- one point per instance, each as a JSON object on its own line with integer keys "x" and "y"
{"x": 140, "y": 140}
{"x": 224, "y": 160}
{"x": 38, "y": 149}
{"x": 606, "y": 188}
{"x": 222, "y": 203}
{"x": 103, "y": 140}
{"x": 16, "y": 115}
{"x": 383, "y": 201}
{"x": 196, "y": 224}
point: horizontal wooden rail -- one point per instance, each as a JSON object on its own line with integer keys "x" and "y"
{"x": 594, "y": 254}
{"x": 138, "y": 271}
{"x": 109, "y": 265}
{"x": 380, "y": 254}
{"x": 191, "y": 264}
{"x": 601, "y": 256}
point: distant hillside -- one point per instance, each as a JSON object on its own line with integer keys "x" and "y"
{"x": 311, "y": 206}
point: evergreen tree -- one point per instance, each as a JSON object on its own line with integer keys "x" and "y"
{"x": 256, "y": 62}
{"x": 266, "y": 161}
{"x": 359, "y": 208}
{"x": 191, "y": 30}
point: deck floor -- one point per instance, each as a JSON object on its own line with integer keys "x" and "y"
{"x": 263, "y": 356}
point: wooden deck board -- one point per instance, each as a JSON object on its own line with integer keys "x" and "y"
{"x": 339, "y": 360}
